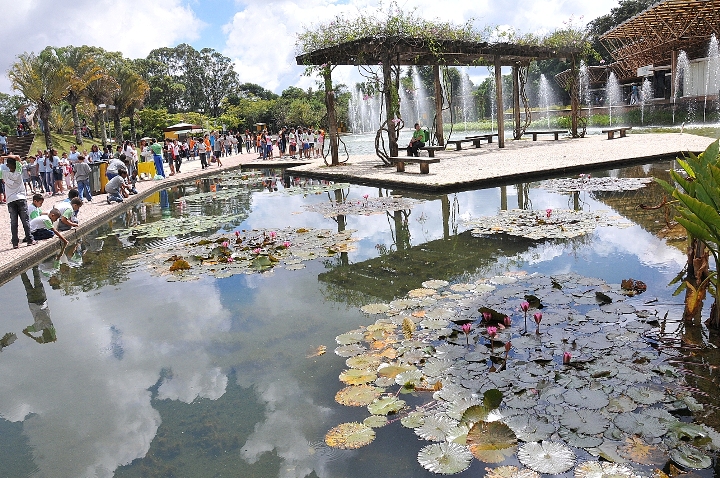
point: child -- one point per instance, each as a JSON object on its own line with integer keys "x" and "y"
{"x": 42, "y": 227}
{"x": 82, "y": 177}
{"x": 116, "y": 187}
{"x": 34, "y": 209}
{"x": 69, "y": 219}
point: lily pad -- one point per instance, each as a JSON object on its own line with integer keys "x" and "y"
{"x": 547, "y": 457}
{"x": 436, "y": 427}
{"x": 510, "y": 471}
{"x": 690, "y": 457}
{"x": 636, "y": 450}
{"x": 491, "y": 442}
{"x": 375, "y": 421}
{"x": 597, "y": 469}
{"x": 349, "y": 436}
{"x": 357, "y": 377}
{"x": 357, "y": 395}
{"x": 445, "y": 458}
{"x": 413, "y": 420}
{"x": 386, "y": 405}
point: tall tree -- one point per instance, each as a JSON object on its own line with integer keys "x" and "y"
{"x": 131, "y": 92}
{"x": 219, "y": 79}
{"x": 41, "y": 80}
{"x": 81, "y": 70}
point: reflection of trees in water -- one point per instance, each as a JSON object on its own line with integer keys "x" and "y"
{"x": 523, "y": 196}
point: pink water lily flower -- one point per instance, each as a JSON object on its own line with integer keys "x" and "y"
{"x": 225, "y": 244}
{"x": 508, "y": 346}
{"x": 257, "y": 251}
{"x": 487, "y": 316}
{"x": 273, "y": 234}
{"x": 237, "y": 233}
{"x": 466, "y": 328}
{"x": 566, "y": 358}
{"x": 507, "y": 321}
{"x": 538, "y": 317}
{"x": 492, "y": 332}
{"x": 286, "y": 244}
{"x": 366, "y": 196}
{"x": 524, "y": 306}
{"x": 230, "y": 259}
{"x": 548, "y": 212}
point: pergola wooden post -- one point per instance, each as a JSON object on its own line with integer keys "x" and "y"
{"x": 499, "y": 102}
{"x": 516, "y": 100}
{"x": 439, "y": 134}
{"x": 389, "y": 111}
{"x": 332, "y": 116}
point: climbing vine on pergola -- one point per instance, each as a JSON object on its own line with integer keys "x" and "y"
{"x": 393, "y": 38}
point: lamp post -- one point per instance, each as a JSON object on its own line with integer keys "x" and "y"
{"x": 103, "y": 108}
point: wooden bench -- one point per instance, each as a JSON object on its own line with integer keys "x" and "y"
{"x": 458, "y": 142}
{"x": 487, "y": 137}
{"x": 430, "y": 150}
{"x": 622, "y": 130}
{"x": 555, "y": 133}
{"x": 424, "y": 163}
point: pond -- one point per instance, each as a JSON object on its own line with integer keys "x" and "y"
{"x": 112, "y": 365}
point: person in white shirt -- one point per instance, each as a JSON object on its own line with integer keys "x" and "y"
{"x": 16, "y": 199}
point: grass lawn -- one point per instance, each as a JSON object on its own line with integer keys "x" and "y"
{"x": 62, "y": 142}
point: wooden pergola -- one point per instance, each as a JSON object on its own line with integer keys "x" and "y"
{"x": 654, "y": 36}
{"x": 407, "y": 51}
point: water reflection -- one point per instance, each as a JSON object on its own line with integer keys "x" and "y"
{"x": 37, "y": 301}
{"x": 152, "y": 378}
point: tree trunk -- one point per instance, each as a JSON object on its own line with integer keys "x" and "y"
{"x": 388, "y": 86}
{"x": 516, "y": 101}
{"x": 76, "y": 123}
{"x": 133, "y": 131}
{"x": 439, "y": 133}
{"x": 104, "y": 129}
{"x": 499, "y": 102}
{"x": 44, "y": 112}
{"x": 574, "y": 101}
{"x": 118, "y": 127}
{"x": 332, "y": 117}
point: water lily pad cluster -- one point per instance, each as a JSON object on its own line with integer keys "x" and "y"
{"x": 581, "y": 376}
{"x": 548, "y": 224}
{"x": 588, "y": 183}
{"x": 178, "y": 226}
{"x": 243, "y": 252}
{"x": 364, "y": 206}
{"x": 308, "y": 188}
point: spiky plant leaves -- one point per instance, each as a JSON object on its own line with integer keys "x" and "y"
{"x": 349, "y": 436}
{"x": 445, "y": 458}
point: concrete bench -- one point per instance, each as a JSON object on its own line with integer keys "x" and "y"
{"x": 458, "y": 142}
{"x": 424, "y": 163}
{"x": 622, "y": 130}
{"x": 555, "y": 133}
{"x": 430, "y": 150}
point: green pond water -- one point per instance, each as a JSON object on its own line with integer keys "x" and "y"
{"x": 111, "y": 366}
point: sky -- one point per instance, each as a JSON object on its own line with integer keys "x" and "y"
{"x": 259, "y": 36}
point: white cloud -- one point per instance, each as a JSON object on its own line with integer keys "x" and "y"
{"x": 133, "y": 27}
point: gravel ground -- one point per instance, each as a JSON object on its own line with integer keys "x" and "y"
{"x": 470, "y": 167}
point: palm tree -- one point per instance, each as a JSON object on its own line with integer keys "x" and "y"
{"x": 82, "y": 70}
{"x": 41, "y": 80}
{"x": 132, "y": 91}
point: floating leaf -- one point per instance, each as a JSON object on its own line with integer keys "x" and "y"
{"x": 411, "y": 378}
{"x": 445, "y": 458}
{"x": 645, "y": 395}
{"x": 350, "y": 338}
{"x": 385, "y": 406}
{"x": 492, "y": 398}
{"x": 436, "y": 427}
{"x": 357, "y": 395}
{"x": 491, "y": 442}
{"x": 392, "y": 371}
{"x": 696, "y": 434}
{"x": 587, "y": 398}
{"x": 509, "y": 471}
{"x": 435, "y": 284}
{"x": 476, "y": 413}
{"x": 597, "y": 469}
{"x": 413, "y": 420}
{"x": 584, "y": 421}
{"x": 349, "y": 436}
{"x": 320, "y": 350}
{"x": 690, "y": 457}
{"x": 357, "y": 377}
{"x": 375, "y": 421}
{"x": 375, "y": 308}
{"x": 546, "y": 457}
{"x": 640, "y": 452}
{"x": 179, "y": 265}
{"x": 363, "y": 362}
{"x": 639, "y": 424}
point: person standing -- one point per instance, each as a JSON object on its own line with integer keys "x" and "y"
{"x": 217, "y": 148}
{"x": 157, "y": 151}
{"x": 16, "y": 199}
{"x": 82, "y": 176}
{"x": 202, "y": 152}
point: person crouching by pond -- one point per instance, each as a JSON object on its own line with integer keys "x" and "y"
{"x": 68, "y": 218}
{"x": 116, "y": 188}
{"x": 42, "y": 227}
{"x": 115, "y": 165}
{"x": 416, "y": 142}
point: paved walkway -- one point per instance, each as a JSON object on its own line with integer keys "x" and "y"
{"x": 520, "y": 160}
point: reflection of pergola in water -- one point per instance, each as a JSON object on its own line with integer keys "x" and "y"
{"x": 393, "y": 52}
{"x": 405, "y": 268}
